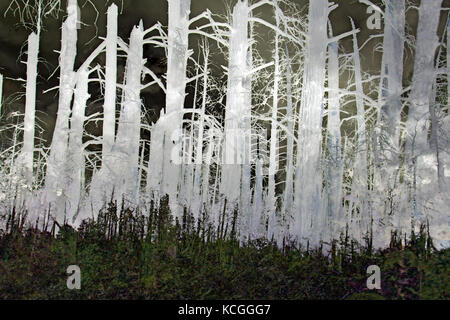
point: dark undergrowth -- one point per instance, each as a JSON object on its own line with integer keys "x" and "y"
{"x": 122, "y": 256}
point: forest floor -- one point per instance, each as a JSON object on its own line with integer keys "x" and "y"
{"x": 125, "y": 264}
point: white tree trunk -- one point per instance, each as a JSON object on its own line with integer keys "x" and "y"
{"x": 206, "y": 176}
{"x": 75, "y": 159}
{"x": 386, "y": 154}
{"x": 446, "y": 121}
{"x": 179, "y": 11}
{"x": 109, "y": 106}
{"x": 238, "y": 108}
{"x": 335, "y": 166}
{"x": 448, "y": 64}
{"x": 418, "y": 153}
{"x": 274, "y": 221}
{"x": 155, "y": 162}
{"x": 128, "y": 134}
{"x": 290, "y": 116}
{"x": 178, "y": 54}
{"x": 308, "y": 180}
{"x": 30, "y": 108}
{"x": 360, "y": 187}
{"x": 393, "y": 46}
{"x": 56, "y": 177}
{"x": 101, "y": 188}
{"x": 199, "y": 147}
{"x": 245, "y": 151}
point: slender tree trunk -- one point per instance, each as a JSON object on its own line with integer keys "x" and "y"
{"x": 335, "y": 166}
{"x": 30, "y": 107}
{"x": 237, "y": 112}
{"x": 448, "y": 63}
{"x": 360, "y": 182}
{"x": 244, "y": 151}
{"x": 101, "y": 188}
{"x": 206, "y": 172}
{"x": 56, "y": 177}
{"x": 308, "y": 181}
{"x": 109, "y": 106}
{"x": 76, "y": 166}
{"x": 156, "y": 162}
{"x": 393, "y": 46}
{"x": 387, "y": 148}
{"x": 274, "y": 221}
{"x": 178, "y": 54}
{"x": 200, "y": 142}
{"x": 290, "y": 116}
{"x": 128, "y": 135}
{"x": 436, "y": 125}
{"x": 418, "y": 152}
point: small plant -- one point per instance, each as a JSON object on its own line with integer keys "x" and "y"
{"x": 125, "y": 255}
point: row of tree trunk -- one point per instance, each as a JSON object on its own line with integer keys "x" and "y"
{"x": 382, "y": 179}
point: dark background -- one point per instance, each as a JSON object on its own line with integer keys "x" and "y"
{"x": 13, "y": 37}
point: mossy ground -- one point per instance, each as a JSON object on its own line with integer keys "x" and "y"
{"x": 119, "y": 261}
